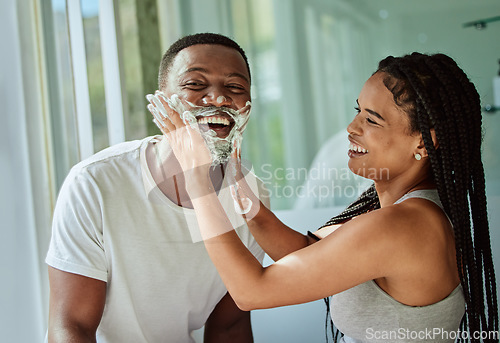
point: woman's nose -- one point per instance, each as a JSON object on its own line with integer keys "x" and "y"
{"x": 354, "y": 127}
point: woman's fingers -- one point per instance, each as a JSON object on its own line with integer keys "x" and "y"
{"x": 244, "y": 115}
{"x": 170, "y": 114}
{"x": 180, "y": 127}
{"x": 173, "y": 108}
{"x": 166, "y": 111}
{"x": 161, "y": 122}
{"x": 162, "y": 119}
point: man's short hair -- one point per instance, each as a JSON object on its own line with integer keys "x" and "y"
{"x": 187, "y": 41}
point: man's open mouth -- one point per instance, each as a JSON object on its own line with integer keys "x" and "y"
{"x": 221, "y": 123}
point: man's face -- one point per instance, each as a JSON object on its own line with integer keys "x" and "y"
{"x": 215, "y": 79}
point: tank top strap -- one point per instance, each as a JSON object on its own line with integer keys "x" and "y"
{"x": 428, "y": 194}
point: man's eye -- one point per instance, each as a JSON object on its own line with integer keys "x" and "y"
{"x": 236, "y": 87}
{"x": 371, "y": 121}
{"x": 193, "y": 84}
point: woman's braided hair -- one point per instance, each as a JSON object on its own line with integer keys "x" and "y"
{"x": 437, "y": 94}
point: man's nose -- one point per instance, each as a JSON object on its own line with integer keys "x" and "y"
{"x": 217, "y": 98}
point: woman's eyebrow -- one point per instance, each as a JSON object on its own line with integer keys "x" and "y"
{"x": 372, "y": 112}
{"x": 375, "y": 114}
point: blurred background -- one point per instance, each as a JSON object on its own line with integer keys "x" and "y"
{"x": 74, "y": 75}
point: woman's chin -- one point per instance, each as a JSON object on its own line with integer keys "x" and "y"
{"x": 363, "y": 172}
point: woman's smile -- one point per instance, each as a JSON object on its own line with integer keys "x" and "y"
{"x": 356, "y": 150}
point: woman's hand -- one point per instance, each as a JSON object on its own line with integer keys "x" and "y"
{"x": 179, "y": 126}
{"x": 246, "y": 202}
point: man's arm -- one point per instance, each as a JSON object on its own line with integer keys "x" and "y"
{"x": 75, "y": 308}
{"x": 228, "y": 324}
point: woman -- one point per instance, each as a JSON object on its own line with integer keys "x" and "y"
{"x": 406, "y": 271}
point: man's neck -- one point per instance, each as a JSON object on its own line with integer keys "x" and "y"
{"x": 168, "y": 175}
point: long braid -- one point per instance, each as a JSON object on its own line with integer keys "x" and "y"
{"x": 446, "y": 101}
{"x": 456, "y": 183}
{"x": 478, "y": 209}
{"x": 461, "y": 200}
{"x": 448, "y": 184}
{"x": 477, "y": 199}
{"x": 367, "y": 201}
{"x": 439, "y": 97}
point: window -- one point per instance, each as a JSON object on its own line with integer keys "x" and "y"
{"x": 308, "y": 59}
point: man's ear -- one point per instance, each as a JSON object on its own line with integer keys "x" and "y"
{"x": 421, "y": 146}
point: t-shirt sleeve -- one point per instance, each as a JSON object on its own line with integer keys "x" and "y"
{"x": 77, "y": 244}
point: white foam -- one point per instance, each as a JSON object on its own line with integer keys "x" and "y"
{"x": 221, "y": 148}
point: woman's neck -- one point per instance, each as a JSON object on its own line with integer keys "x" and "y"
{"x": 390, "y": 192}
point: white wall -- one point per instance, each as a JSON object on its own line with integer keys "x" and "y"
{"x": 21, "y": 317}
{"x": 297, "y": 323}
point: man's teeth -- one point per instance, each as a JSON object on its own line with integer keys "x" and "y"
{"x": 214, "y": 120}
{"x": 357, "y": 148}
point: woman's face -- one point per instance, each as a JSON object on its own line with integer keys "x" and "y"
{"x": 381, "y": 145}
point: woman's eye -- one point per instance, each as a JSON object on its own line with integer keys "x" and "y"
{"x": 368, "y": 119}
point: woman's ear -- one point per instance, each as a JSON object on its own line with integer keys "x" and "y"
{"x": 421, "y": 150}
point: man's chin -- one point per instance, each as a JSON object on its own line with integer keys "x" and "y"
{"x": 221, "y": 154}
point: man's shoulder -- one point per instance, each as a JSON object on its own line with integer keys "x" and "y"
{"x": 125, "y": 151}
{"x": 116, "y": 162}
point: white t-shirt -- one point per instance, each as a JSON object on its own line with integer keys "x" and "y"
{"x": 113, "y": 224}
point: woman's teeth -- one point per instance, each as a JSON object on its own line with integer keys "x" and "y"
{"x": 357, "y": 148}
{"x": 214, "y": 120}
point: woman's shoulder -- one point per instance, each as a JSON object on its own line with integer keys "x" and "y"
{"x": 411, "y": 227}
{"x": 420, "y": 216}
{"x": 423, "y": 251}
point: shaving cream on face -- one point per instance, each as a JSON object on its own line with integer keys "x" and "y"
{"x": 220, "y": 148}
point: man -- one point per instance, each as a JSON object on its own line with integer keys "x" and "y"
{"x": 122, "y": 263}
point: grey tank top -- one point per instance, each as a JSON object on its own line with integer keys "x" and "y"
{"x": 366, "y": 313}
